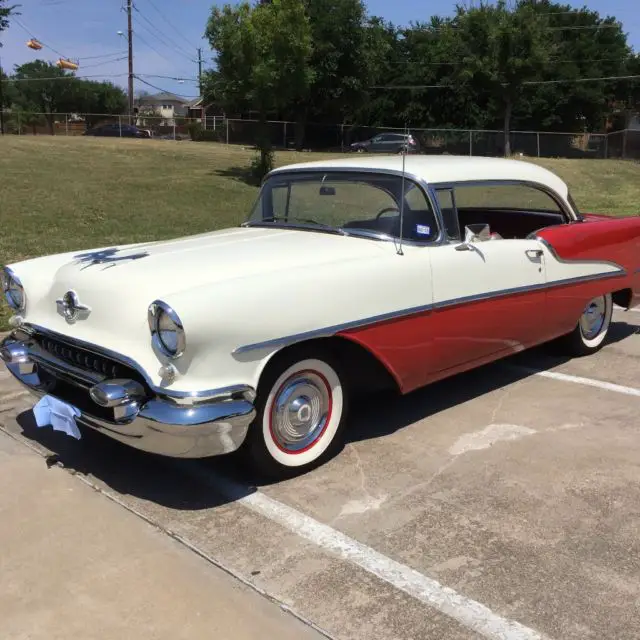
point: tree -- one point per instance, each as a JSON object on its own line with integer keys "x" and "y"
{"x": 585, "y": 46}
{"x": 5, "y": 12}
{"x": 95, "y": 99}
{"x": 500, "y": 51}
{"x": 43, "y": 88}
{"x": 263, "y": 57}
{"x": 347, "y": 50}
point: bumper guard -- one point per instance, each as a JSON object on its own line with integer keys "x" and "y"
{"x": 126, "y": 410}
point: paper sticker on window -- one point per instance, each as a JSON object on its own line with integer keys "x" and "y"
{"x": 423, "y": 229}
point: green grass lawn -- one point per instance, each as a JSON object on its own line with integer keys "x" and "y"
{"x": 61, "y": 194}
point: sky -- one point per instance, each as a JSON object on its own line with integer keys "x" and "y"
{"x": 167, "y": 34}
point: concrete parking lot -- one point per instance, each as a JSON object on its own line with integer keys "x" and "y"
{"x": 503, "y": 503}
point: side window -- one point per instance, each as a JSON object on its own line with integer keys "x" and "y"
{"x": 505, "y": 196}
{"x": 449, "y": 215}
{"x": 507, "y": 210}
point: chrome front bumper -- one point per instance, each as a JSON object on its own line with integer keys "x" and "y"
{"x": 127, "y": 409}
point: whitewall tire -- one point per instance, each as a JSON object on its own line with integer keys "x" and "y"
{"x": 301, "y": 415}
{"x": 592, "y": 328}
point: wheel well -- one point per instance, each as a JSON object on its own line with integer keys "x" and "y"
{"x": 622, "y": 298}
{"x": 363, "y": 369}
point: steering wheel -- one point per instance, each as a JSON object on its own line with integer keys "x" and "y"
{"x": 387, "y": 210}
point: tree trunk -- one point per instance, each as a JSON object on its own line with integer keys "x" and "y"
{"x": 507, "y": 125}
{"x": 300, "y": 126}
{"x": 50, "y": 122}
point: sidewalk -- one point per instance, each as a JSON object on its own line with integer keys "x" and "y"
{"x": 74, "y": 565}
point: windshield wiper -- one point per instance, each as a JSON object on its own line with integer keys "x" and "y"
{"x": 320, "y": 225}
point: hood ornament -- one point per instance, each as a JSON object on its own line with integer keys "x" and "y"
{"x": 107, "y": 256}
{"x": 71, "y": 307}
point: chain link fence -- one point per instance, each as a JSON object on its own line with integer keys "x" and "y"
{"x": 329, "y": 137}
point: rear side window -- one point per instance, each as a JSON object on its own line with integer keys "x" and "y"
{"x": 505, "y": 196}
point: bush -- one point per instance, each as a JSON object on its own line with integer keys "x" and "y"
{"x": 198, "y": 134}
{"x": 262, "y": 164}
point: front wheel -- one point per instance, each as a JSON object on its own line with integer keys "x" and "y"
{"x": 301, "y": 410}
{"x": 592, "y": 328}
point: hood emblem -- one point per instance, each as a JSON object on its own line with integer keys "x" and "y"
{"x": 71, "y": 307}
{"x": 107, "y": 256}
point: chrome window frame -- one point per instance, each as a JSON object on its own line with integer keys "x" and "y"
{"x": 427, "y": 189}
{"x": 569, "y": 215}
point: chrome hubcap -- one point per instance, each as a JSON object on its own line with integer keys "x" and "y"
{"x": 593, "y": 318}
{"x": 300, "y": 411}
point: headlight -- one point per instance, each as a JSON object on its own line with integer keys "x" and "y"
{"x": 166, "y": 328}
{"x": 13, "y": 290}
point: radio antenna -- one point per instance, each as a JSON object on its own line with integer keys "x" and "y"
{"x": 404, "y": 155}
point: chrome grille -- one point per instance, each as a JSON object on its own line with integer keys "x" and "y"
{"x": 85, "y": 359}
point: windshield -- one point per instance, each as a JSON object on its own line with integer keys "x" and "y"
{"x": 345, "y": 202}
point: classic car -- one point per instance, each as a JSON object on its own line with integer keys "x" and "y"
{"x": 348, "y": 275}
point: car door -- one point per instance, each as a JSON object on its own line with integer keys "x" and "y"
{"x": 377, "y": 143}
{"x": 489, "y": 295}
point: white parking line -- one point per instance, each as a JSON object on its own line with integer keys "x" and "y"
{"x": 471, "y": 614}
{"x": 590, "y": 382}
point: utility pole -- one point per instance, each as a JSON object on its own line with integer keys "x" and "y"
{"x": 200, "y": 71}
{"x": 130, "y": 41}
{"x": 1, "y": 101}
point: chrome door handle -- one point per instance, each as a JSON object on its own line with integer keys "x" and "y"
{"x": 534, "y": 253}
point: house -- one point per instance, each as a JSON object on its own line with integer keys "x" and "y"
{"x": 163, "y": 107}
{"x": 205, "y": 112}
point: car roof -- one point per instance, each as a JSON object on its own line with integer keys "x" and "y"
{"x": 443, "y": 169}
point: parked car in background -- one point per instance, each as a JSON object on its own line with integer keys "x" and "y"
{"x": 387, "y": 143}
{"x": 348, "y": 275}
{"x": 119, "y": 131}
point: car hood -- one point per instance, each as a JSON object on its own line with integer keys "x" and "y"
{"x": 113, "y": 279}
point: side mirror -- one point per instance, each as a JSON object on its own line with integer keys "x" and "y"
{"x": 474, "y": 233}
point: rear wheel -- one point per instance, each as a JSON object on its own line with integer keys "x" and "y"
{"x": 301, "y": 409}
{"x": 592, "y": 328}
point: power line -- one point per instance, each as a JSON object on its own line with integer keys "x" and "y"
{"x": 30, "y": 34}
{"x": 68, "y": 77}
{"x": 455, "y": 27}
{"x": 104, "y": 55}
{"x": 582, "y": 80}
{"x": 141, "y": 39}
{"x": 163, "y": 37}
{"x": 153, "y": 86}
{"x": 177, "y": 79}
{"x": 161, "y": 14}
{"x": 101, "y": 64}
{"x": 529, "y": 83}
{"x": 458, "y": 63}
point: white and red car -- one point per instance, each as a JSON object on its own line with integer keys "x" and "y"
{"x": 348, "y": 274}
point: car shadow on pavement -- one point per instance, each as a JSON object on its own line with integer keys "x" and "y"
{"x": 180, "y": 485}
{"x": 128, "y": 471}
{"x": 374, "y": 417}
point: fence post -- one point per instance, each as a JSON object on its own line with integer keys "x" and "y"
{"x": 284, "y": 141}
{"x": 624, "y": 143}
{"x": 538, "y": 142}
{"x": 120, "y": 125}
{"x": 174, "y": 128}
{"x": 606, "y": 146}
{"x": 66, "y": 124}
{"x": 470, "y": 143}
{"x": 342, "y": 137}
{"x": 227, "y": 121}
